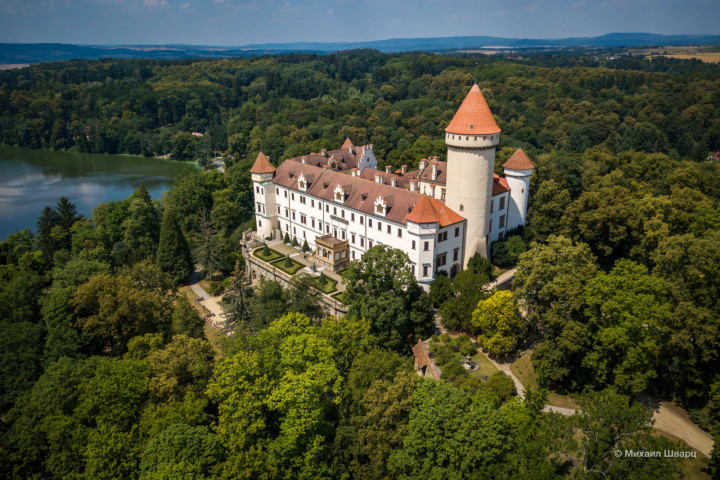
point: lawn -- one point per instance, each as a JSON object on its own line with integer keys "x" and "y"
{"x": 274, "y": 255}
{"x": 340, "y": 297}
{"x": 524, "y": 371}
{"x": 289, "y": 270}
{"x": 329, "y": 287}
{"x": 485, "y": 368}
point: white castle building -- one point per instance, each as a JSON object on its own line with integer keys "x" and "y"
{"x": 440, "y": 215}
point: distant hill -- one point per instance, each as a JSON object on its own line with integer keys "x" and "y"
{"x": 20, "y": 53}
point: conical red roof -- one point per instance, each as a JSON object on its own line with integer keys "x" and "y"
{"x": 347, "y": 143}
{"x": 430, "y": 210}
{"x": 262, "y": 164}
{"x": 474, "y": 116}
{"x": 519, "y": 161}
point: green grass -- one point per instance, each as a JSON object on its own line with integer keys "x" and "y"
{"x": 289, "y": 270}
{"x": 340, "y": 297}
{"x": 329, "y": 287}
{"x": 485, "y": 368}
{"x": 274, "y": 255}
{"x": 525, "y": 372}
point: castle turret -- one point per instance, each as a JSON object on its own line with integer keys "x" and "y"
{"x": 472, "y": 137}
{"x": 262, "y": 173}
{"x": 518, "y": 169}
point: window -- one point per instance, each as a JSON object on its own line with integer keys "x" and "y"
{"x": 312, "y": 203}
{"x": 362, "y": 242}
{"x": 380, "y": 226}
{"x": 292, "y": 196}
{"x": 413, "y": 245}
{"x": 259, "y": 222}
{"x": 257, "y": 189}
{"x": 370, "y": 243}
{"x": 461, "y": 207}
{"x": 277, "y": 191}
{"x": 353, "y": 254}
{"x": 441, "y": 260}
{"x": 370, "y": 222}
{"x": 304, "y": 236}
{"x": 352, "y": 238}
{"x": 278, "y": 208}
{"x": 456, "y": 254}
{"x": 294, "y": 231}
{"x": 303, "y": 219}
{"x": 334, "y": 210}
{"x": 492, "y": 206}
{"x": 327, "y": 208}
{"x": 285, "y": 192}
{"x": 259, "y": 207}
{"x": 293, "y": 215}
{"x": 287, "y": 212}
{"x": 342, "y": 213}
{"x": 343, "y": 234}
{"x": 442, "y": 194}
{"x": 327, "y": 228}
{"x": 352, "y": 217}
{"x": 313, "y": 222}
{"x": 320, "y": 225}
{"x": 389, "y": 229}
{"x": 490, "y": 225}
{"x": 303, "y": 200}
{"x": 442, "y": 236}
{"x": 399, "y": 232}
{"x": 502, "y": 221}
{"x": 412, "y": 269}
{"x": 502, "y": 203}
{"x": 426, "y": 246}
{"x": 425, "y": 271}
{"x": 362, "y": 219}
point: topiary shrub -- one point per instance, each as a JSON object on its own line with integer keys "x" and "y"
{"x": 295, "y": 242}
{"x": 305, "y": 247}
{"x": 266, "y": 251}
{"x": 286, "y": 238}
{"x": 288, "y": 262}
{"x": 322, "y": 279}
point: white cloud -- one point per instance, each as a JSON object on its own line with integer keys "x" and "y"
{"x": 154, "y": 3}
{"x": 185, "y": 6}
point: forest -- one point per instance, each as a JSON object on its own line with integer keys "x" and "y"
{"x": 108, "y": 371}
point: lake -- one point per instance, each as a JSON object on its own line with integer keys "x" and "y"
{"x": 31, "y": 179}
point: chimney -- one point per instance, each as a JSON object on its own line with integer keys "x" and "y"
{"x": 324, "y": 152}
{"x": 413, "y": 185}
{"x": 403, "y": 169}
{"x": 423, "y": 163}
{"x": 354, "y": 172}
{"x": 388, "y": 168}
{"x": 434, "y": 171}
{"x": 303, "y": 160}
{"x": 378, "y": 178}
{"x": 393, "y": 182}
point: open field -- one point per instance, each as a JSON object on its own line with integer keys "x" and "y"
{"x": 707, "y": 54}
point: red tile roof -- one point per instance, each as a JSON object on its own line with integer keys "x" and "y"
{"x": 500, "y": 185}
{"x": 347, "y": 143}
{"x": 343, "y": 158}
{"x": 426, "y": 174}
{"x": 474, "y": 116}
{"x": 262, "y": 165}
{"x": 423, "y": 359}
{"x": 519, "y": 161}
{"x": 430, "y": 210}
{"x": 402, "y": 179}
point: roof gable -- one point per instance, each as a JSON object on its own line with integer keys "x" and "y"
{"x": 262, "y": 164}
{"x": 519, "y": 161}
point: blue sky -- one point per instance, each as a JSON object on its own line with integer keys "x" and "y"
{"x": 237, "y": 22}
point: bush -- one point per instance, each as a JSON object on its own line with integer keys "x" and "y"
{"x": 480, "y": 264}
{"x": 505, "y": 252}
{"x": 466, "y": 346}
{"x": 295, "y": 242}
{"x": 286, "y": 238}
{"x": 322, "y": 279}
{"x": 288, "y": 262}
{"x": 499, "y": 387}
{"x": 305, "y": 247}
{"x": 266, "y": 251}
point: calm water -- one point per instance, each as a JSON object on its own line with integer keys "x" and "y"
{"x": 31, "y": 179}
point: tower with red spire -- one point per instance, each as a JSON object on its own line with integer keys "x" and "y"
{"x": 471, "y": 138}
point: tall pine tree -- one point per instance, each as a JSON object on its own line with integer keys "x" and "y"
{"x": 173, "y": 255}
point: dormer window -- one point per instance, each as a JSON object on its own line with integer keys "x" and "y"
{"x": 302, "y": 182}
{"x": 380, "y": 206}
{"x": 339, "y": 194}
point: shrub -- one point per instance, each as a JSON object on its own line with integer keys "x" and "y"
{"x": 305, "y": 247}
{"x": 498, "y": 386}
{"x": 266, "y": 251}
{"x": 295, "y": 242}
{"x": 286, "y": 238}
{"x": 466, "y": 346}
{"x": 288, "y": 262}
{"x": 322, "y": 279}
{"x": 505, "y": 253}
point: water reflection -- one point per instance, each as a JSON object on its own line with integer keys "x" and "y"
{"x": 31, "y": 179}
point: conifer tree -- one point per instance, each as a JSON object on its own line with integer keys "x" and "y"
{"x": 238, "y": 316}
{"x": 305, "y": 247}
{"x": 173, "y": 255}
{"x": 322, "y": 279}
{"x": 266, "y": 251}
{"x": 295, "y": 242}
{"x": 286, "y": 238}
{"x": 288, "y": 262}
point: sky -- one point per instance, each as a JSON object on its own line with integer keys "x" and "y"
{"x": 241, "y": 22}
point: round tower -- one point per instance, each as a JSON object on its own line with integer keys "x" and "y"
{"x": 262, "y": 174}
{"x": 518, "y": 170}
{"x": 472, "y": 138}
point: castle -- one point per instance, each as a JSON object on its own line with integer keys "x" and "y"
{"x": 440, "y": 215}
